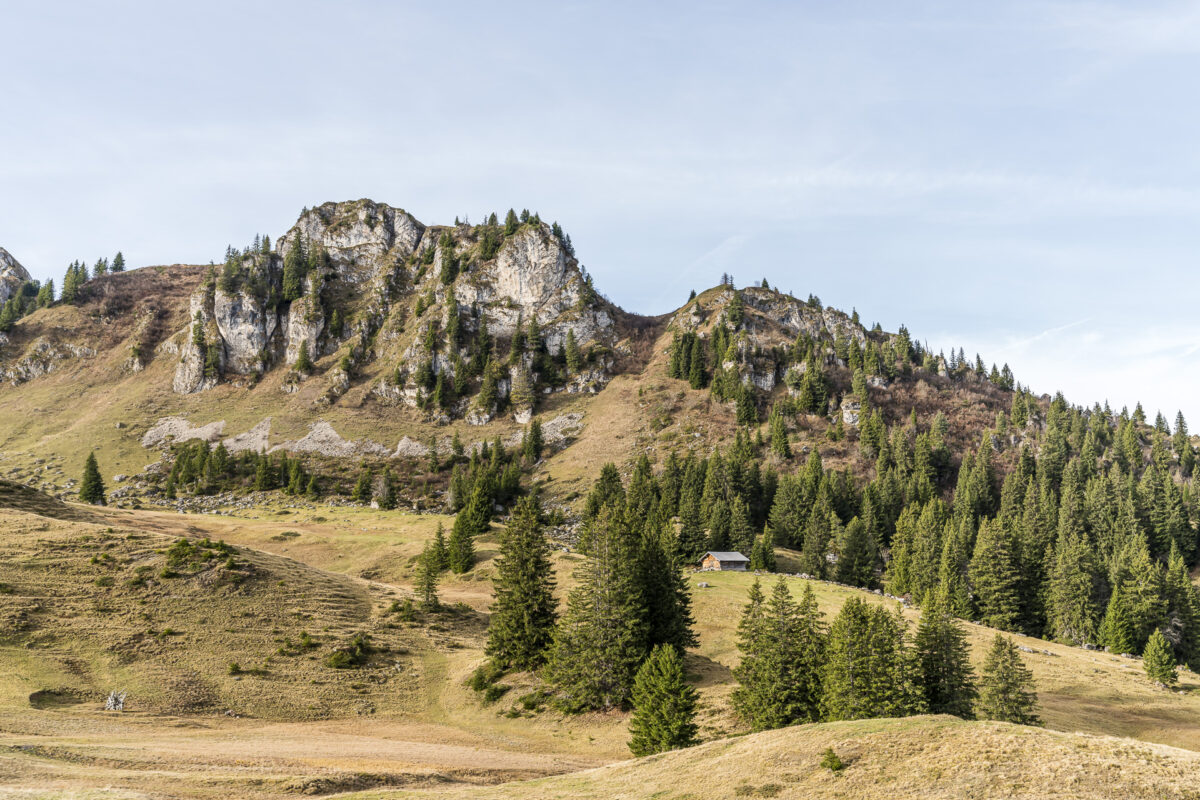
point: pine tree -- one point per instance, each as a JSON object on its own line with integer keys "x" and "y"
{"x": 295, "y": 265}
{"x": 944, "y": 659}
{"x": 533, "y": 443}
{"x": 118, "y": 262}
{"x": 602, "y": 637}
{"x": 304, "y": 364}
{"x": 781, "y": 644}
{"x": 362, "y": 487}
{"x": 779, "y": 437}
{"x": 1073, "y": 608}
{"x": 664, "y": 592}
{"x": 573, "y": 356}
{"x": 868, "y": 669}
{"x": 387, "y": 491}
{"x": 91, "y": 488}
{"x": 428, "y": 568}
{"x": 1117, "y": 630}
{"x": 664, "y": 705}
{"x": 521, "y": 629}
{"x": 994, "y": 578}
{"x": 1006, "y": 688}
{"x": 1159, "y": 661}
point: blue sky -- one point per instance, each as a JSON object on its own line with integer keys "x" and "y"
{"x": 1021, "y": 179}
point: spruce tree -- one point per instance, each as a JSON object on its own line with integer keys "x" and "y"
{"x": 91, "y": 488}
{"x": 118, "y": 262}
{"x": 533, "y": 442}
{"x": 665, "y": 596}
{"x": 473, "y": 520}
{"x": 439, "y": 547}
{"x": 868, "y": 669}
{"x": 1006, "y": 690}
{"x": 944, "y": 659}
{"x": 1159, "y": 661}
{"x": 521, "y": 628}
{"x": 781, "y": 644}
{"x": 602, "y": 637}
{"x": 573, "y": 356}
{"x": 994, "y": 579}
{"x": 362, "y": 487}
{"x": 428, "y": 569}
{"x": 1117, "y": 631}
{"x": 387, "y": 491}
{"x": 304, "y": 364}
{"x": 664, "y": 705}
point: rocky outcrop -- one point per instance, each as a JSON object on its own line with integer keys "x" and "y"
{"x": 245, "y": 328}
{"x": 42, "y": 358}
{"x": 357, "y": 235}
{"x": 193, "y": 350}
{"x": 303, "y": 324}
{"x": 534, "y": 278}
{"x": 12, "y": 275}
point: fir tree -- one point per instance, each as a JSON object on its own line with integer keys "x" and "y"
{"x": 573, "y": 356}
{"x": 868, "y": 670}
{"x": 1117, "y": 630}
{"x": 1006, "y": 688}
{"x": 602, "y": 637}
{"x": 304, "y": 364}
{"x": 1159, "y": 661}
{"x": 944, "y": 660}
{"x": 994, "y": 578}
{"x": 664, "y": 705}
{"x": 362, "y": 487}
{"x": 428, "y": 568}
{"x": 533, "y": 443}
{"x": 521, "y": 629}
{"x": 472, "y": 521}
{"x": 91, "y": 488}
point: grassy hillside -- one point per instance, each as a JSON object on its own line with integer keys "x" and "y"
{"x": 290, "y": 724}
{"x": 919, "y": 757}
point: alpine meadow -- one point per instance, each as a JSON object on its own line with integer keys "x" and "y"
{"x": 365, "y": 506}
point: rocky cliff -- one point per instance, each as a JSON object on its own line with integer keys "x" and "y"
{"x": 368, "y": 283}
{"x": 12, "y": 275}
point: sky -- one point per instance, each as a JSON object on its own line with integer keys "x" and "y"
{"x": 1021, "y": 179}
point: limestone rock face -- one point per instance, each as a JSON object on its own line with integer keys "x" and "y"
{"x": 357, "y": 235}
{"x": 304, "y": 322}
{"x": 12, "y": 275}
{"x": 245, "y": 328}
{"x": 189, "y": 373}
{"x": 533, "y": 278}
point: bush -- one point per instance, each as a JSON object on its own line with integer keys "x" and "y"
{"x": 831, "y": 762}
{"x": 484, "y": 676}
{"x": 235, "y": 668}
{"x": 495, "y": 692}
{"x": 104, "y": 580}
{"x": 353, "y": 654}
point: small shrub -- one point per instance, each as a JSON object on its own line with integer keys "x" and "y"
{"x": 831, "y": 762}
{"x": 104, "y": 580}
{"x": 484, "y": 676}
{"x": 235, "y": 668}
{"x": 495, "y": 692}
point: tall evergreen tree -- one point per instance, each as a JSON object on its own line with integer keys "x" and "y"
{"x": 868, "y": 669}
{"x": 521, "y": 629}
{"x": 664, "y": 705}
{"x": 473, "y": 520}
{"x": 91, "y": 488}
{"x": 944, "y": 659}
{"x": 1006, "y": 687}
{"x": 1159, "y": 661}
{"x": 428, "y": 569}
{"x": 994, "y": 578}
{"x": 602, "y": 637}
{"x": 665, "y": 597}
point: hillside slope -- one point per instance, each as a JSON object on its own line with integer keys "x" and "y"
{"x": 918, "y": 758}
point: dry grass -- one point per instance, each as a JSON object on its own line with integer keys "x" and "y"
{"x": 921, "y": 757}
